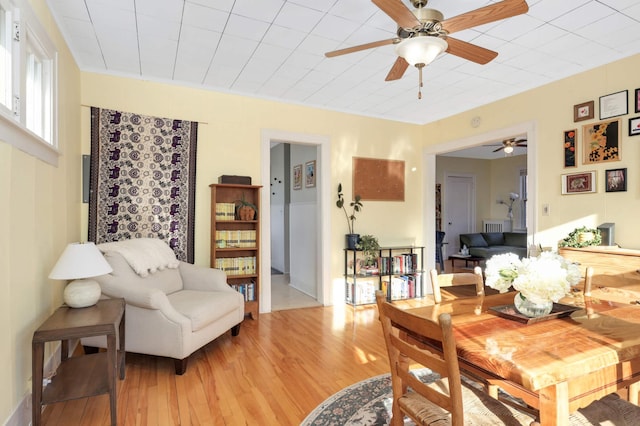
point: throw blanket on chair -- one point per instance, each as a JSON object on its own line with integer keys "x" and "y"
{"x": 144, "y": 255}
{"x": 143, "y": 175}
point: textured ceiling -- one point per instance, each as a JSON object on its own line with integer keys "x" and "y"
{"x": 274, "y": 49}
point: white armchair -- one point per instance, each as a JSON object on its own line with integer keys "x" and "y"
{"x": 170, "y": 312}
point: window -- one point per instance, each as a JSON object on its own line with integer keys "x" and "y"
{"x": 6, "y": 81}
{"x": 38, "y": 91}
{"x": 28, "y": 82}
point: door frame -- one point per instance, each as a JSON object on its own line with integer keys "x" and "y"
{"x": 472, "y": 201}
{"x": 323, "y": 183}
{"x": 429, "y": 166}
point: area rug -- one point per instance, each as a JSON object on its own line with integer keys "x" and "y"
{"x": 143, "y": 176}
{"x": 364, "y": 403}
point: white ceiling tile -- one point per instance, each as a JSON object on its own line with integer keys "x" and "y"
{"x": 165, "y": 10}
{"x": 334, "y": 28}
{"x": 283, "y": 37}
{"x": 354, "y": 11}
{"x": 240, "y": 26}
{"x": 509, "y": 29}
{"x": 74, "y": 9}
{"x": 548, "y": 10}
{"x": 157, "y": 56}
{"x": 260, "y": 10}
{"x": 298, "y": 18}
{"x": 584, "y": 16}
{"x": 112, "y": 19}
{"x": 540, "y": 36}
{"x": 319, "y": 5}
{"x": 151, "y": 27}
{"x": 199, "y": 16}
{"x": 224, "y": 5}
{"x": 314, "y": 44}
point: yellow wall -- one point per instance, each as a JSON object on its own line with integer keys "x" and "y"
{"x": 40, "y": 215}
{"x": 45, "y": 212}
{"x": 229, "y": 143}
{"x": 551, "y": 107}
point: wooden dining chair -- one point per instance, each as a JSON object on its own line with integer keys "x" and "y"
{"x": 447, "y": 400}
{"x": 438, "y": 281}
{"x": 588, "y": 279}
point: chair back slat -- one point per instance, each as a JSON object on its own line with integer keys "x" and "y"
{"x": 439, "y": 281}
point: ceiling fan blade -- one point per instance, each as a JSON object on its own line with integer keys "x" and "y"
{"x": 398, "y": 12}
{"x": 499, "y": 149}
{"x": 484, "y": 15}
{"x": 360, "y": 47}
{"x": 470, "y": 51}
{"x": 397, "y": 70}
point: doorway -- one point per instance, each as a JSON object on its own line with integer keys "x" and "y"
{"x": 314, "y": 235}
{"x": 293, "y": 206}
{"x": 429, "y": 163}
{"x": 458, "y": 210}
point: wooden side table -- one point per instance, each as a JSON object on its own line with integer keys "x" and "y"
{"x": 81, "y": 376}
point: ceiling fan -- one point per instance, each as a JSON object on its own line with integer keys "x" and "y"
{"x": 423, "y": 34}
{"x": 509, "y": 144}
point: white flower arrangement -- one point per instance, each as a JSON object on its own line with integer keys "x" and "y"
{"x": 539, "y": 279}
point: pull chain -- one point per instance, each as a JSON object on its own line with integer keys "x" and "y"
{"x": 420, "y": 66}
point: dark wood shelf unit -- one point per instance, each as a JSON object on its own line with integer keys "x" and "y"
{"x": 231, "y": 193}
{"x": 360, "y": 287}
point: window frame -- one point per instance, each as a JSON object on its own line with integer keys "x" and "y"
{"x": 13, "y": 124}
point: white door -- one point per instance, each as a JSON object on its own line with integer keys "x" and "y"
{"x": 458, "y": 210}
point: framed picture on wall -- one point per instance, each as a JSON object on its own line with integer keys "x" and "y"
{"x": 616, "y": 180}
{"x": 614, "y": 104}
{"x": 570, "y": 148}
{"x": 634, "y": 126}
{"x": 583, "y": 111}
{"x": 297, "y": 176}
{"x": 579, "y": 183}
{"x": 310, "y": 174}
{"x": 601, "y": 142}
{"x": 637, "y": 100}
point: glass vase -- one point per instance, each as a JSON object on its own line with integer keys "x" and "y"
{"x": 530, "y": 309}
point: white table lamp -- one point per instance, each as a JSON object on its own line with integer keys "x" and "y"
{"x": 77, "y": 262}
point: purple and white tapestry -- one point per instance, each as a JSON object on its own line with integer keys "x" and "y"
{"x": 143, "y": 176}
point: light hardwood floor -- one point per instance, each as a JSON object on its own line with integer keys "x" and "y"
{"x": 275, "y": 372}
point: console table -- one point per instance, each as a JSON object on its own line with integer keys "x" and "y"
{"x": 80, "y": 376}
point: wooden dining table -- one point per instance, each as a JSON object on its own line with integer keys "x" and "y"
{"x": 556, "y": 366}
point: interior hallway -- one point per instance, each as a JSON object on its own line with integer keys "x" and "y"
{"x": 283, "y": 296}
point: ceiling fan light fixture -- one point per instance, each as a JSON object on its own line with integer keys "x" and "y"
{"x": 508, "y": 149}
{"x": 421, "y": 49}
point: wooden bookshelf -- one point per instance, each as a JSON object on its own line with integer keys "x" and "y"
{"x": 235, "y": 243}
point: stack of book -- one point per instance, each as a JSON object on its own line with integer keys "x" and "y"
{"x": 236, "y": 238}
{"x": 248, "y": 290}
{"x": 405, "y": 263}
{"x": 403, "y": 287}
{"x": 225, "y": 211}
{"x": 237, "y": 265}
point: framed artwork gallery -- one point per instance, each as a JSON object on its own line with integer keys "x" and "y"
{"x": 579, "y": 183}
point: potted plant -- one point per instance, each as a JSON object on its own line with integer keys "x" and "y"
{"x": 370, "y": 249}
{"x": 356, "y": 205}
{"x": 246, "y": 209}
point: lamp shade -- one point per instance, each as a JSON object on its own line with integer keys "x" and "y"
{"x": 80, "y": 260}
{"x": 421, "y": 49}
{"x": 508, "y": 149}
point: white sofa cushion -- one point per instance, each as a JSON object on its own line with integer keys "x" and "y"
{"x": 203, "y": 307}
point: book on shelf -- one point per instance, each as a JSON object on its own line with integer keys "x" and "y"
{"x": 225, "y": 211}
{"x": 362, "y": 292}
{"x": 405, "y": 263}
{"x": 402, "y": 287}
{"x": 245, "y": 265}
{"x": 236, "y": 238}
{"x": 248, "y": 290}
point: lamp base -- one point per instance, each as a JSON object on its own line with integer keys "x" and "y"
{"x": 82, "y": 293}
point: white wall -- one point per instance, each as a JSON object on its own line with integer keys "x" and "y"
{"x": 277, "y": 188}
{"x": 303, "y": 225}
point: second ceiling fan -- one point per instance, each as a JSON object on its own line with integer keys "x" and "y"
{"x": 423, "y": 34}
